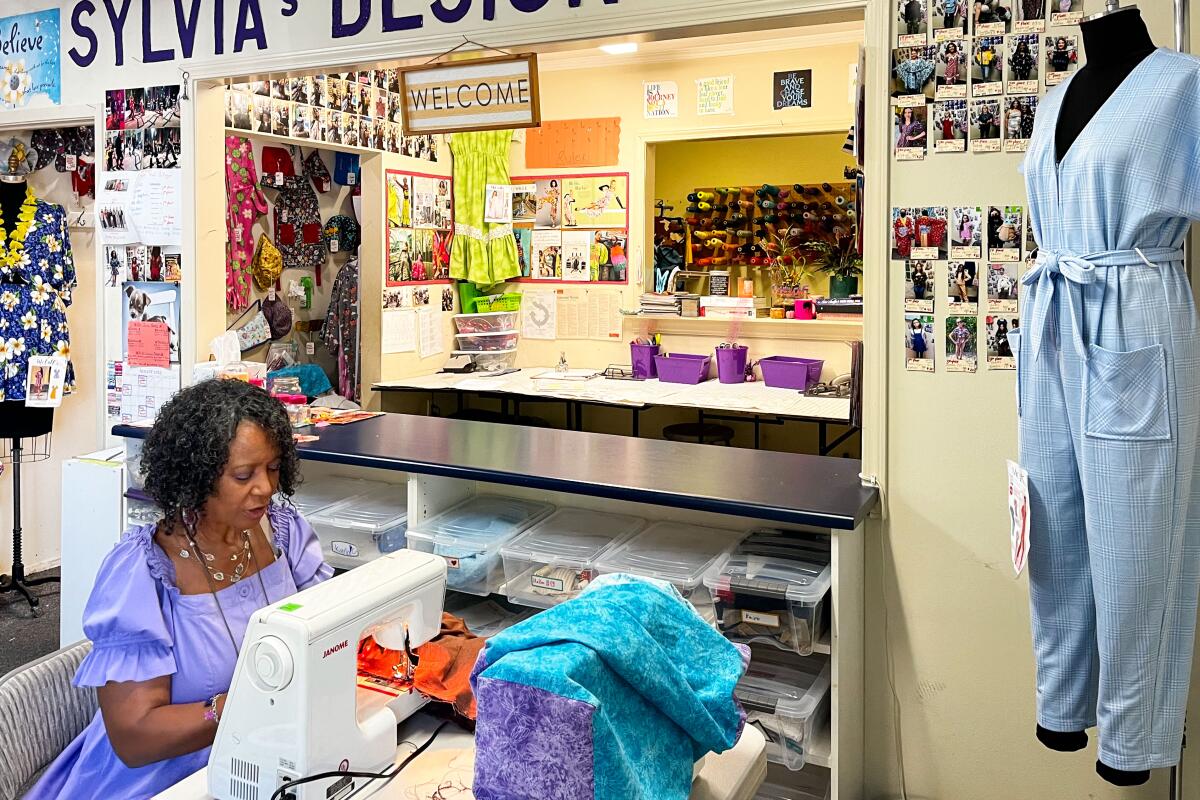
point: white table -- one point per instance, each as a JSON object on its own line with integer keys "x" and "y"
{"x": 755, "y": 399}
{"x": 735, "y": 774}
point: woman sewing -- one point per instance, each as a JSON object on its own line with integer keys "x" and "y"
{"x": 172, "y": 600}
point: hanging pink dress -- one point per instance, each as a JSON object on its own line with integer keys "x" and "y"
{"x": 244, "y": 203}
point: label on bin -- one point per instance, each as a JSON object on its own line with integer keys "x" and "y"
{"x": 542, "y": 582}
{"x": 345, "y": 549}
{"x": 759, "y": 618}
{"x": 451, "y": 562}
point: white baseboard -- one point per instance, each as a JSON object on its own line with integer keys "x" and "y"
{"x": 42, "y": 566}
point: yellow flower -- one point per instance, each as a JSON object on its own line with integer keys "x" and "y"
{"x": 29, "y": 321}
{"x": 53, "y": 244}
{"x": 47, "y": 331}
{"x": 18, "y": 347}
{"x": 15, "y": 82}
{"x": 5, "y": 350}
{"x": 62, "y": 349}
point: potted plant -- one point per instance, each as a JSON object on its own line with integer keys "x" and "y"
{"x": 787, "y": 265}
{"x": 842, "y": 262}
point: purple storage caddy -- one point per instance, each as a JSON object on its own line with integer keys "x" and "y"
{"x": 682, "y": 368}
{"x": 789, "y": 372}
{"x": 643, "y": 360}
{"x": 731, "y": 364}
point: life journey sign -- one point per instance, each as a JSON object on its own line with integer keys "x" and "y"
{"x": 477, "y": 95}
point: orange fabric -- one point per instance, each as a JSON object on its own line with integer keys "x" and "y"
{"x": 444, "y": 666}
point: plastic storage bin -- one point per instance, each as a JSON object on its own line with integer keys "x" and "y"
{"x": 682, "y": 368}
{"x": 555, "y": 559}
{"x": 469, "y": 536}
{"x": 510, "y": 301}
{"x": 787, "y": 698}
{"x": 360, "y": 528}
{"x": 674, "y": 552}
{"x": 810, "y": 783}
{"x": 318, "y": 494}
{"x": 494, "y": 361}
{"x": 772, "y": 590}
{"x": 789, "y": 372}
{"x": 493, "y": 322}
{"x": 487, "y": 342}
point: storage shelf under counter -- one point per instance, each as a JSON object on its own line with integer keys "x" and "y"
{"x": 437, "y": 463}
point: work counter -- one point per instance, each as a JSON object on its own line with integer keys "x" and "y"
{"x": 780, "y": 487}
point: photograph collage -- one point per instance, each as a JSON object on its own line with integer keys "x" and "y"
{"x": 352, "y": 109}
{"x": 572, "y": 228}
{"x": 960, "y": 262}
{"x": 141, "y": 129}
{"x": 953, "y": 92}
{"x": 420, "y": 226}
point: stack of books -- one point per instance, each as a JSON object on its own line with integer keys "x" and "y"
{"x": 659, "y": 305}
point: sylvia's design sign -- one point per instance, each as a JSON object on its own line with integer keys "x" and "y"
{"x": 477, "y": 95}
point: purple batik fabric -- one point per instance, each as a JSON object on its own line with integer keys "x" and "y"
{"x": 531, "y": 743}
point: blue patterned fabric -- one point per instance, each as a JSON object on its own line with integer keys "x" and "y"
{"x": 915, "y": 73}
{"x": 33, "y": 301}
{"x": 1108, "y": 395}
{"x": 612, "y": 695}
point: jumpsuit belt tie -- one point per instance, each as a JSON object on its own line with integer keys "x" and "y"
{"x": 1058, "y": 271}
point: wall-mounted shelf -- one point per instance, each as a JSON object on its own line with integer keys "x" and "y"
{"x": 832, "y": 330}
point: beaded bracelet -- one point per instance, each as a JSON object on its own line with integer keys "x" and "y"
{"x": 210, "y": 709}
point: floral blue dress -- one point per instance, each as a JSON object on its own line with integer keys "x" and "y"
{"x": 37, "y": 274}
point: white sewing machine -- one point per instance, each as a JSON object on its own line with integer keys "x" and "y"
{"x": 295, "y": 708}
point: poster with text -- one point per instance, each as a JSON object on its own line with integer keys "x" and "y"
{"x": 31, "y": 74}
{"x": 151, "y": 302}
{"x": 660, "y": 99}
{"x": 547, "y": 246}
{"x": 714, "y": 95}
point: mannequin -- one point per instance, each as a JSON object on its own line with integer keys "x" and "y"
{"x": 1118, "y": 42}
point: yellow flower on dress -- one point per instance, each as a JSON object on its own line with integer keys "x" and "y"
{"x": 41, "y": 291}
{"x": 15, "y": 82}
{"x": 18, "y": 347}
{"x": 52, "y": 244}
{"x": 62, "y": 349}
{"x": 29, "y": 320}
{"x": 47, "y": 331}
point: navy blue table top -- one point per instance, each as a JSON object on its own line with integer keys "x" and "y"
{"x": 780, "y": 487}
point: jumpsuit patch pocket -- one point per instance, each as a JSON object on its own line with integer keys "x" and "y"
{"x": 1014, "y": 344}
{"x": 1125, "y": 394}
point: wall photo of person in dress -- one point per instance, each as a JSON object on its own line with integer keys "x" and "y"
{"x": 913, "y": 21}
{"x": 913, "y": 71}
{"x": 966, "y": 232}
{"x": 910, "y": 132}
{"x": 949, "y": 18}
{"x": 1000, "y": 354}
{"x": 1064, "y": 13}
{"x": 904, "y": 233}
{"x": 987, "y": 67}
{"x": 950, "y": 126}
{"x": 962, "y": 354}
{"x": 992, "y": 17}
{"x": 1031, "y": 16}
{"x": 1023, "y": 62}
{"x": 985, "y": 126}
{"x": 962, "y": 287}
{"x": 918, "y": 286}
{"x": 919, "y": 342}
{"x": 951, "y": 74}
{"x": 1018, "y": 122}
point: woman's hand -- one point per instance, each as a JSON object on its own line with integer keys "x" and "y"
{"x": 144, "y": 726}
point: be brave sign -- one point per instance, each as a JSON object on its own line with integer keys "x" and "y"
{"x": 478, "y": 95}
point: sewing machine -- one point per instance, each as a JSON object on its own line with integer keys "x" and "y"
{"x": 296, "y": 708}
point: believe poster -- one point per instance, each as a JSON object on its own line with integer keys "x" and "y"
{"x": 30, "y": 74}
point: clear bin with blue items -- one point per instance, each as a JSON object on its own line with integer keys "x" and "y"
{"x": 555, "y": 559}
{"x": 361, "y": 528}
{"x": 469, "y": 536}
{"x": 772, "y": 589}
{"x": 675, "y": 552}
{"x": 787, "y": 698}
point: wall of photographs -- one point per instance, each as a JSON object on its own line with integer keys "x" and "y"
{"x": 953, "y": 92}
{"x": 572, "y": 228}
{"x": 348, "y": 109}
{"x": 420, "y": 227}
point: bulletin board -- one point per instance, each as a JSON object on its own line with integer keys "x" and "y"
{"x": 573, "y": 228}
{"x": 420, "y": 226}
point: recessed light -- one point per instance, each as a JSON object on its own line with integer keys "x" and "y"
{"x": 624, "y": 48}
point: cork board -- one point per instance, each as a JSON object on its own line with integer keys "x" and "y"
{"x": 569, "y": 143}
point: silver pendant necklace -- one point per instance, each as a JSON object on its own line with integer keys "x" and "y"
{"x": 209, "y": 576}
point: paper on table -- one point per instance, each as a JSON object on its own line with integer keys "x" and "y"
{"x": 155, "y": 207}
{"x": 149, "y": 344}
{"x": 399, "y": 330}
{"x": 429, "y": 323}
{"x": 539, "y": 315}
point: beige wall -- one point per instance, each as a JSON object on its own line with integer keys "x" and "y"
{"x": 75, "y": 423}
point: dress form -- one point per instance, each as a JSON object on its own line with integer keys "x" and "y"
{"x": 1115, "y": 43}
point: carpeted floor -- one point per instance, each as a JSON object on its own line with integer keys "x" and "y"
{"x": 23, "y": 636}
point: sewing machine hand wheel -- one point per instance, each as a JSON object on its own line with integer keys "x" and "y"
{"x": 273, "y": 665}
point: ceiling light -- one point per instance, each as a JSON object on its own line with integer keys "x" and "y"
{"x": 624, "y": 48}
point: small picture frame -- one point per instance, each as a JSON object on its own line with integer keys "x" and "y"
{"x": 962, "y": 353}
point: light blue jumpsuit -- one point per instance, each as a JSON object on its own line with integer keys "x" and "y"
{"x": 1108, "y": 393}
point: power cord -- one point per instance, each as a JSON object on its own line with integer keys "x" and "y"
{"x": 386, "y": 777}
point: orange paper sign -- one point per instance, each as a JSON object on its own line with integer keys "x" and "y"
{"x": 574, "y": 143}
{"x": 149, "y": 344}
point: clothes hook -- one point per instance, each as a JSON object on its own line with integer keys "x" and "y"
{"x": 183, "y": 90}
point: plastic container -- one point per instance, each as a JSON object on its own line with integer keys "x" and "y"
{"x": 493, "y": 361}
{"x": 682, "y": 368}
{"x": 494, "y": 322}
{"x": 810, "y": 783}
{"x": 789, "y": 372}
{"x": 788, "y": 700}
{"x": 487, "y": 342}
{"x": 772, "y": 590}
{"x": 360, "y": 528}
{"x": 318, "y": 494}
{"x": 554, "y": 560}
{"x": 297, "y": 408}
{"x": 469, "y": 536}
{"x": 731, "y": 364}
{"x": 642, "y": 356}
{"x": 510, "y": 301}
{"x": 133, "y": 464}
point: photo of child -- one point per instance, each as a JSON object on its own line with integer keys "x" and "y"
{"x": 962, "y": 287}
{"x": 999, "y": 350}
{"x": 918, "y": 285}
{"x": 961, "y": 347}
{"x": 919, "y": 343}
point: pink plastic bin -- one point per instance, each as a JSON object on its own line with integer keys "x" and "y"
{"x": 682, "y": 368}
{"x": 789, "y": 372}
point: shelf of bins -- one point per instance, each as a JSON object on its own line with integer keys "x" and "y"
{"x": 821, "y": 752}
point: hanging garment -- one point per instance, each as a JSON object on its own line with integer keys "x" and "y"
{"x": 1108, "y": 396}
{"x": 340, "y": 332}
{"x": 953, "y": 65}
{"x": 244, "y": 203}
{"x": 483, "y": 253}
{"x": 299, "y": 234}
{"x": 37, "y": 274}
{"x": 915, "y": 73}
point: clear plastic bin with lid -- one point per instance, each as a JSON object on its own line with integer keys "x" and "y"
{"x": 469, "y": 536}
{"x": 787, "y": 698}
{"x": 675, "y": 552}
{"x": 810, "y": 783}
{"x": 554, "y": 560}
{"x": 318, "y": 494}
{"x": 772, "y": 589}
{"x": 359, "y": 529}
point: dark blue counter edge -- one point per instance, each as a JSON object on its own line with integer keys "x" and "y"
{"x": 649, "y": 496}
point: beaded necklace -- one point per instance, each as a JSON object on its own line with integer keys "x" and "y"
{"x": 12, "y": 252}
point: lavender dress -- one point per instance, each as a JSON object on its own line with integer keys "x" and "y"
{"x": 141, "y": 627}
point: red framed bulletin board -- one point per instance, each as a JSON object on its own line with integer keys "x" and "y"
{"x": 420, "y": 227}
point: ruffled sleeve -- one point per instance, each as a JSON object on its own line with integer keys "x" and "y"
{"x": 124, "y": 618}
{"x": 297, "y": 539}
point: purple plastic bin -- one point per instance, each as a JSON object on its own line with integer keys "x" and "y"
{"x": 789, "y": 372}
{"x": 731, "y": 364}
{"x": 682, "y": 368}
{"x": 643, "y": 360}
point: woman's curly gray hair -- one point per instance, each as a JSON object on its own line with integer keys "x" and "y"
{"x": 188, "y": 447}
